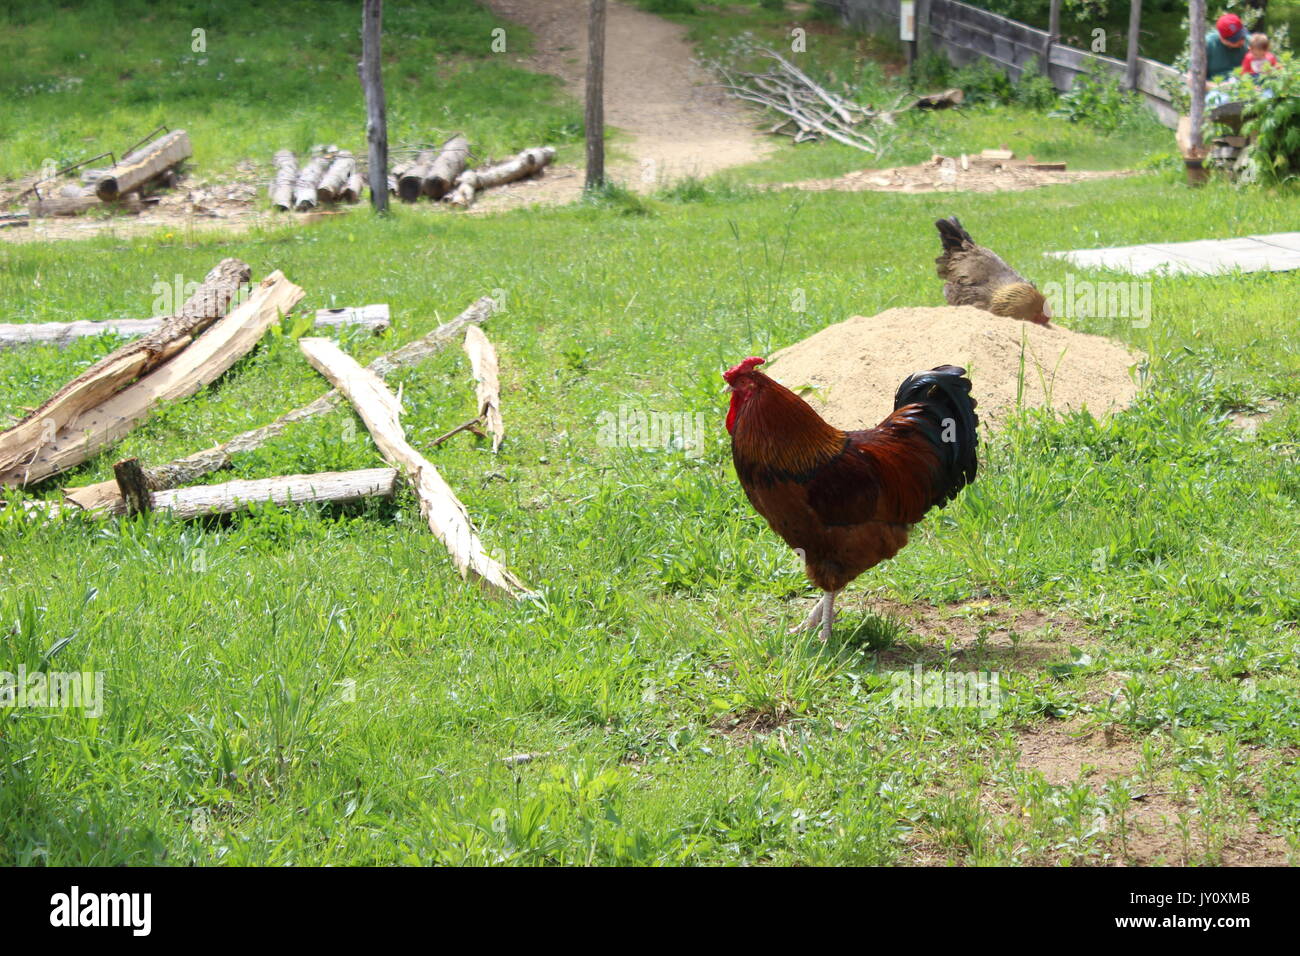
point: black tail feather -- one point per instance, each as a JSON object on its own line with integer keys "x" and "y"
{"x": 952, "y": 234}
{"x": 950, "y": 422}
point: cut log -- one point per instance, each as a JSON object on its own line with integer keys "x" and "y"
{"x": 144, "y": 164}
{"x": 410, "y": 184}
{"x": 197, "y": 363}
{"x": 76, "y": 205}
{"x": 104, "y": 495}
{"x": 446, "y": 166}
{"x": 373, "y": 317}
{"x": 352, "y": 191}
{"x": 380, "y": 410}
{"x": 397, "y": 172}
{"x": 133, "y": 485}
{"x": 336, "y": 177}
{"x": 487, "y": 385}
{"x": 286, "y": 173}
{"x": 202, "y": 501}
{"x": 121, "y": 367}
{"x": 471, "y": 181}
{"x": 304, "y": 189}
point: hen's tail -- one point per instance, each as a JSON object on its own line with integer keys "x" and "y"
{"x": 944, "y": 412}
{"x": 952, "y": 234}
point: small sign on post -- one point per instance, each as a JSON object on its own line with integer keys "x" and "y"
{"x": 907, "y": 21}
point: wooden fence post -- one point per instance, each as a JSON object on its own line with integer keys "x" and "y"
{"x": 595, "y": 115}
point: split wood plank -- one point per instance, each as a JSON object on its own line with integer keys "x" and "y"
{"x": 198, "y": 363}
{"x": 104, "y": 496}
{"x": 380, "y": 410}
{"x": 487, "y": 385}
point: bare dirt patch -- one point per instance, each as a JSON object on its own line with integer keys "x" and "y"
{"x": 947, "y": 174}
{"x": 678, "y": 122}
{"x": 1162, "y": 826}
{"x": 849, "y": 371}
{"x": 742, "y": 727}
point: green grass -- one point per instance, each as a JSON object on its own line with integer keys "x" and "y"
{"x": 244, "y": 97}
{"x": 316, "y": 686}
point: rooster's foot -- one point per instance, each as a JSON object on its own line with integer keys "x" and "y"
{"x": 812, "y": 620}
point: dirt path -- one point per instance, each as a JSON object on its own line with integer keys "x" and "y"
{"x": 675, "y": 123}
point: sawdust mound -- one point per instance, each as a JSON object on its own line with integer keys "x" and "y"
{"x": 856, "y": 366}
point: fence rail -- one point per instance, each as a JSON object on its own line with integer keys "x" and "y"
{"x": 966, "y": 33}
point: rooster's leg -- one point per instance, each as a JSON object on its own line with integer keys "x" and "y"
{"x": 828, "y": 615}
{"x": 813, "y": 619}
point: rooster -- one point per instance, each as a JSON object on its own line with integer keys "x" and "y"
{"x": 977, "y": 276}
{"x": 845, "y": 501}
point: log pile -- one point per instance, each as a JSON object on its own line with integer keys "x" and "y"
{"x": 442, "y": 174}
{"x": 331, "y": 175}
{"x": 126, "y": 186}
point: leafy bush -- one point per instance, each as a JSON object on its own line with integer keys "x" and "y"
{"x": 1272, "y": 116}
{"x": 1098, "y": 100}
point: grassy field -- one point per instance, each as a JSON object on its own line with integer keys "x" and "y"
{"x": 316, "y": 686}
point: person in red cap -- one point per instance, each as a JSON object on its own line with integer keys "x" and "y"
{"x": 1223, "y": 49}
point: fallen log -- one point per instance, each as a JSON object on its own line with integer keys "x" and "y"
{"x": 487, "y": 385}
{"x": 104, "y": 495}
{"x": 144, "y": 164}
{"x": 121, "y": 367}
{"x": 472, "y": 181}
{"x": 380, "y": 410}
{"x": 196, "y": 363}
{"x": 373, "y": 317}
{"x": 75, "y": 205}
{"x": 201, "y": 501}
{"x": 336, "y": 177}
{"x": 286, "y": 173}
{"x": 446, "y": 166}
{"x": 304, "y": 189}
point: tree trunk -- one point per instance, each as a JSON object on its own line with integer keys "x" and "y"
{"x": 1134, "y": 27}
{"x": 380, "y": 410}
{"x": 286, "y": 172}
{"x": 595, "y": 114}
{"x": 144, "y": 164}
{"x": 372, "y": 81}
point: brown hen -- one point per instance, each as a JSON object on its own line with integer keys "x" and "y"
{"x": 977, "y": 276}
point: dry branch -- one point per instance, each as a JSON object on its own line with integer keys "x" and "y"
{"x": 193, "y": 365}
{"x": 143, "y": 165}
{"x": 380, "y": 410}
{"x": 487, "y": 385}
{"x": 104, "y": 495}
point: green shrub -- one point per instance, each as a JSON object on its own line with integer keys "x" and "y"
{"x": 1272, "y": 115}
{"x": 1098, "y": 100}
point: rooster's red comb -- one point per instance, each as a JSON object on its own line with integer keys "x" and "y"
{"x": 746, "y": 365}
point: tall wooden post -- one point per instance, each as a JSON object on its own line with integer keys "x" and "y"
{"x": 1053, "y": 37}
{"x": 595, "y": 116}
{"x": 1196, "y": 34}
{"x": 1134, "y": 26}
{"x": 372, "y": 81}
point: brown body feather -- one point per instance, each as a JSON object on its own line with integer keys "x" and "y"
{"x": 976, "y": 276}
{"x": 849, "y": 499}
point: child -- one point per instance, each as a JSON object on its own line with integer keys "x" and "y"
{"x": 1258, "y": 59}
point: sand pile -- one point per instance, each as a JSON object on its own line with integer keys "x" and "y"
{"x": 856, "y": 366}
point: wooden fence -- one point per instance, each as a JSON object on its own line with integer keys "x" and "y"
{"x": 966, "y": 33}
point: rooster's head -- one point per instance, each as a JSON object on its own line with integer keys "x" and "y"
{"x": 743, "y": 380}
{"x": 1022, "y": 301}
